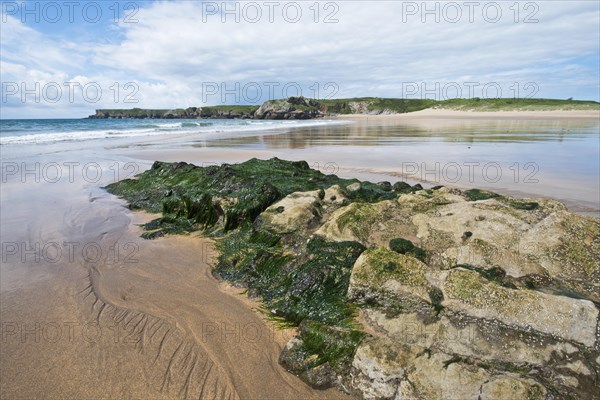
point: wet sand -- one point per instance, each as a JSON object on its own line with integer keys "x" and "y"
{"x": 88, "y": 309}
{"x": 91, "y": 310}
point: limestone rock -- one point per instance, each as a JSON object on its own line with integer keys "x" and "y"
{"x": 334, "y": 195}
{"x": 378, "y": 368}
{"x": 291, "y": 108}
{"x": 566, "y": 318}
{"x": 293, "y": 212}
{"x": 387, "y": 277}
{"x": 512, "y": 388}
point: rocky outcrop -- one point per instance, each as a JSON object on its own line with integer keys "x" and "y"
{"x": 385, "y": 369}
{"x": 504, "y": 304}
{"x": 218, "y": 112}
{"x": 490, "y": 298}
{"x": 400, "y": 292}
{"x": 502, "y": 301}
{"x": 292, "y": 108}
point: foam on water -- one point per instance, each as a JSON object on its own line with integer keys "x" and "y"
{"x": 13, "y": 132}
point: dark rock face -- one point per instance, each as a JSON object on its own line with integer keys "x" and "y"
{"x": 235, "y": 112}
{"x": 320, "y": 377}
{"x": 401, "y": 187}
{"x": 291, "y": 108}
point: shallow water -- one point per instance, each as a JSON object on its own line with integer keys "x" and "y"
{"x": 558, "y": 158}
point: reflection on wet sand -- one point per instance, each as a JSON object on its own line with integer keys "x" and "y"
{"x": 91, "y": 310}
{"x": 389, "y": 132}
{"x": 539, "y": 156}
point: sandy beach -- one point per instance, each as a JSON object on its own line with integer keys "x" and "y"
{"x": 432, "y": 114}
{"x": 91, "y": 310}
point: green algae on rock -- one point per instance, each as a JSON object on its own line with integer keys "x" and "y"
{"x": 395, "y": 290}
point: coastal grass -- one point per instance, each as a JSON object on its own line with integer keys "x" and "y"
{"x": 516, "y": 104}
{"x": 233, "y": 109}
{"x": 344, "y": 106}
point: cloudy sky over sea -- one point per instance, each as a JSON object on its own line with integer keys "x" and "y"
{"x": 65, "y": 59}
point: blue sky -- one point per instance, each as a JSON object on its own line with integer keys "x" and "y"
{"x": 65, "y": 59}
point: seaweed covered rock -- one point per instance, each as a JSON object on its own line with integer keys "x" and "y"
{"x": 559, "y": 316}
{"x": 302, "y": 210}
{"x": 399, "y": 291}
{"x": 356, "y": 222}
{"x": 384, "y": 277}
{"x": 295, "y": 211}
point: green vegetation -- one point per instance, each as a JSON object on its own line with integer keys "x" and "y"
{"x": 402, "y": 187}
{"x": 580, "y": 248}
{"x": 477, "y": 104}
{"x": 478, "y": 194}
{"x": 381, "y": 265}
{"x": 234, "y": 111}
{"x": 521, "y": 204}
{"x": 354, "y": 105}
{"x": 223, "y": 198}
{"x": 394, "y": 105}
{"x": 493, "y": 274}
{"x": 333, "y": 345}
{"x": 312, "y": 286}
{"x": 358, "y": 218}
{"x": 131, "y": 113}
{"x": 357, "y": 105}
{"x": 518, "y": 204}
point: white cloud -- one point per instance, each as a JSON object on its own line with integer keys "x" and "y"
{"x": 170, "y": 52}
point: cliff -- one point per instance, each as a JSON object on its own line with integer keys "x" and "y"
{"x": 291, "y": 108}
{"x": 304, "y": 108}
{"x": 220, "y": 112}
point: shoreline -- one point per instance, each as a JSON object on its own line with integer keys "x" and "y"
{"x": 463, "y": 114}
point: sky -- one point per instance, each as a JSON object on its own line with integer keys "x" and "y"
{"x": 66, "y": 59}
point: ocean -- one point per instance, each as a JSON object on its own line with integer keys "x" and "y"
{"x": 32, "y": 131}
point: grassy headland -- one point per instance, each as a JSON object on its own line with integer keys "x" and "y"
{"x": 303, "y": 108}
